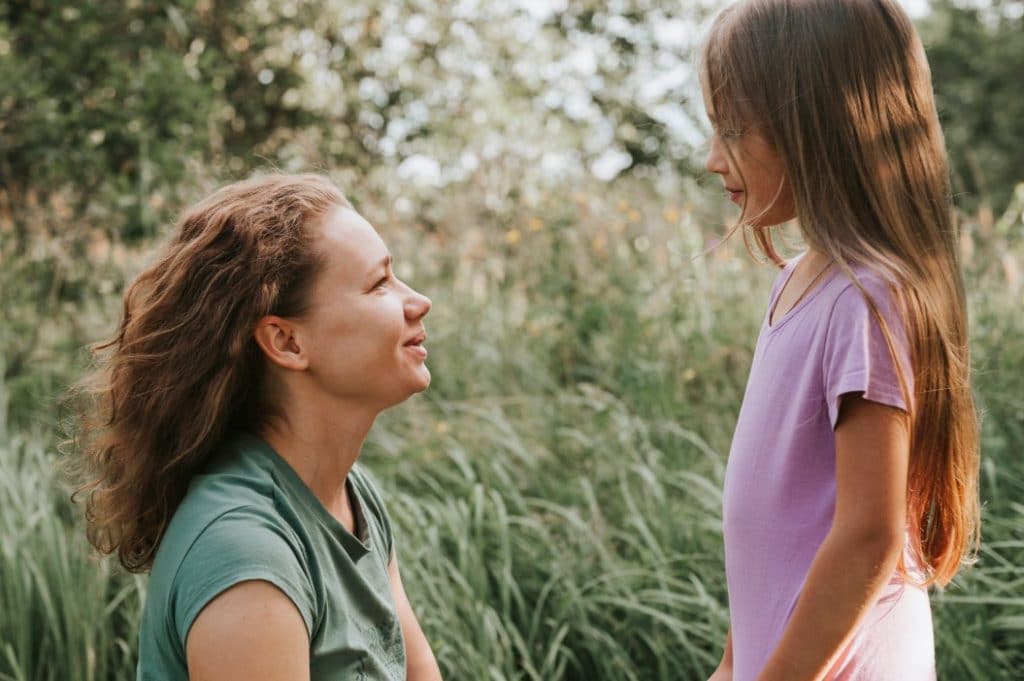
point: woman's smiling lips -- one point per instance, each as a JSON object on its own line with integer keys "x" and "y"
{"x": 415, "y": 345}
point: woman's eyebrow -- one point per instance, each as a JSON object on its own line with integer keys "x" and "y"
{"x": 382, "y": 264}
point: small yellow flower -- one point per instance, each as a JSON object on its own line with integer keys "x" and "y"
{"x": 536, "y": 224}
{"x": 512, "y": 237}
{"x": 622, "y": 205}
{"x": 442, "y": 427}
{"x": 634, "y": 216}
{"x": 600, "y": 244}
{"x": 671, "y": 214}
{"x": 688, "y": 375}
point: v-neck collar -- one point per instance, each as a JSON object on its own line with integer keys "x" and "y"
{"x": 358, "y": 544}
{"x": 771, "y": 322}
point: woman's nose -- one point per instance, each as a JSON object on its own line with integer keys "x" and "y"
{"x": 417, "y": 305}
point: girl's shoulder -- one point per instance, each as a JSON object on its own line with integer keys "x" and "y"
{"x": 855, "y": 294}
{"x": 841, "y": 291}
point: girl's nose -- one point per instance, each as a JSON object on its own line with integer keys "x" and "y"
{"x": 417, "y": 305}
{"x": 716, "y": 161}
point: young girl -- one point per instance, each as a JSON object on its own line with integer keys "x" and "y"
{"x": 252, "y": 359}
{"x": 851, "y": 482}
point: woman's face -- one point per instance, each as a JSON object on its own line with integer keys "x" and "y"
{"x": 363, "y": 330}
{"x": 763, "y": 192}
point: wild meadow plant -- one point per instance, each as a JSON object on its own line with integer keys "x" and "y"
{"x": 557, "y": 491}
{"x": 64, "y": 615}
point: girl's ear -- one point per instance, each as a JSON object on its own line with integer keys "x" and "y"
{"x": 279, "y": 341}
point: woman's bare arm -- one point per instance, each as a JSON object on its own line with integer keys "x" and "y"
{"x": 419, "y": 658}
{"x": 250, "y": 632}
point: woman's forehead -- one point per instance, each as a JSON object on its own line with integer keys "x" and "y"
{"x": 349, "y": 240}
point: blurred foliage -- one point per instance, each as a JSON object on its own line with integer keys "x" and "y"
{"x": 478, "y": 136}
{"x": 113, "y": 113}
{"x": 556, "y": 492}
{"x": 977, "y": 59}
{"x": 111, "y": 106}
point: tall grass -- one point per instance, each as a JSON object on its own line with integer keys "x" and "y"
{"x": 64, "y": 614}
{"x": 556, "y": 493}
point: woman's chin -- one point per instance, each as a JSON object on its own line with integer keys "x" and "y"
{"x": 420, "y": 382}
{"x": 425, "y": 380}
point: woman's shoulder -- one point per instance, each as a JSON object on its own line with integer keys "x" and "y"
{"x": 198, "y": 561}
{"x": 236, "y": 489}
{"x": 365, "y": 484}
{"x": 234, "y": 477}
{"x": 228, "y": 529}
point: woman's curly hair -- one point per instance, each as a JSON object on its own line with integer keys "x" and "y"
{"x": 184, "y": 369}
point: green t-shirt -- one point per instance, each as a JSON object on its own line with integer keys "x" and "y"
{"x": 249, "y": 516}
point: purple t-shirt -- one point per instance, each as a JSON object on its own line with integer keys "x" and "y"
{"x": 780, "y": 484}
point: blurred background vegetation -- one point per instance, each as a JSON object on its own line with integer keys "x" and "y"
{"x": 536, "y": 167}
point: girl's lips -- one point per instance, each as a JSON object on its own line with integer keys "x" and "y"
{"x": 734, "y": 195}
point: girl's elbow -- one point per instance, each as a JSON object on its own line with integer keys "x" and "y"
{"x": 881, "y": 543}
{"x": 889, "y": 545}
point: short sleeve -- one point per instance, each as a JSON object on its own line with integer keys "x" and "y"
{"x": 375, "y": 510}
{"x": 240, "y": 546}
{"x": 857, "y": 358}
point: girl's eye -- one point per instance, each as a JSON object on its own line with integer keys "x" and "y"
{"x": 382, "y": 283}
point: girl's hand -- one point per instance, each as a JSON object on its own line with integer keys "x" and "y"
{"x": 723, "y": 673}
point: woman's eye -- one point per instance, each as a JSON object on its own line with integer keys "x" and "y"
{"x": 382, "y": 283}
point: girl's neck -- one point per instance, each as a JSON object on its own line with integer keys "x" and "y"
{"x": 806, "y": 274}
{"x": 813, "y": 260}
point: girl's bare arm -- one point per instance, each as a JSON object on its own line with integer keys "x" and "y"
{"x": 861, "y": 550}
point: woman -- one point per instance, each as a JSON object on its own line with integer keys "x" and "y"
{"x": 251, "y": 362}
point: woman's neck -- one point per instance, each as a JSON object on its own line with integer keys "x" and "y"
{"x": 321, "y": 443}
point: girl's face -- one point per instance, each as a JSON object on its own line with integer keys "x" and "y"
{"x": 364, "y": 328}
{"x": 754, "y": 176}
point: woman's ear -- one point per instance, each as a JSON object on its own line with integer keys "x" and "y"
{"x": 278, "y": 339}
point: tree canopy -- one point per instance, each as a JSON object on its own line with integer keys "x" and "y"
{"x": 116, "y": 108}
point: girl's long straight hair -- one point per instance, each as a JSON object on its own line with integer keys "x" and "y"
{"x": 842, "y": 90}
{"x": 184, "y": 369}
